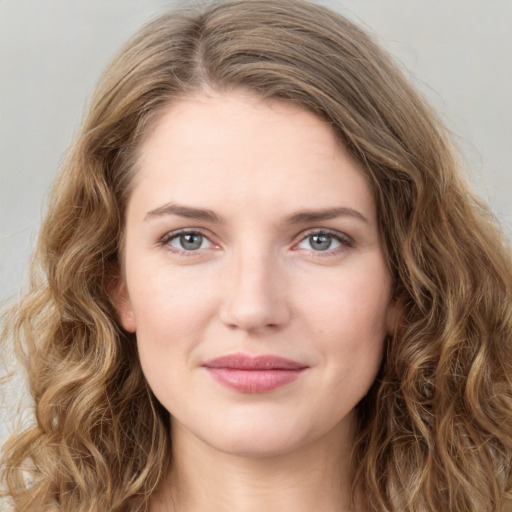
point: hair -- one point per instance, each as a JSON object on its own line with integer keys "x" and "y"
{"x": 435, "y": 430}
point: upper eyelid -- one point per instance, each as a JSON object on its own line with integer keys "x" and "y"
{"x": 170, "y": 235}
{"x": 181, "y": 231}
{"x": 327, "y": 231}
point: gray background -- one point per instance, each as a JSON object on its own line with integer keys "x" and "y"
{"x": 459, "y": 52}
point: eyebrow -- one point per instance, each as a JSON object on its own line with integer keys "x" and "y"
{"x": 325, "y": 214}
{"x": 183, "y": 211}
{"x": 303, "y": 217}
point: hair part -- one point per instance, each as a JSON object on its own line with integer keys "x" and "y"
{"x": 434, "y": 431}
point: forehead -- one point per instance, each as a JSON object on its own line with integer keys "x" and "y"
{"x": 239, "y": 148}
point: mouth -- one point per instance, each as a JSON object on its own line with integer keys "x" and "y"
{"x": 254, "y": 374}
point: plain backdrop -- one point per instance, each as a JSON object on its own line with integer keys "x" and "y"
{"x": 458, "y": 52}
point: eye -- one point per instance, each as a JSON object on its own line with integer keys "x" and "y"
{"x": 187, "y": 241}
{"x": 319, "y": 242}
{"x": 325, "y": 241}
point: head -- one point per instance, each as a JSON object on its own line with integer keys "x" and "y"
{"x": 432, "y": 232}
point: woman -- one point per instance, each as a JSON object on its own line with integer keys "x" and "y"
{"x": 262, "y": 283}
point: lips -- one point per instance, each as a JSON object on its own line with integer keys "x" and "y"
{"x": 249, "y": 374}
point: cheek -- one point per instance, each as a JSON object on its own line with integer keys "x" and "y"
{"x": 172, "y": 310}
{"x": 350, "y": 322}
{"x": 163, "y": 295}
{"x": 355, "y": 302}
{"x": 168, "y": 322}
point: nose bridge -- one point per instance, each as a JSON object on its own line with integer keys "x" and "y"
{"x": 254, "y": 296}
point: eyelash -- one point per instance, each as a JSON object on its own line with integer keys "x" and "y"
{"x": 166, "y": 240}
{"x": 344, "y": 240}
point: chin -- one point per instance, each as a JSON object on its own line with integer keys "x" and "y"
{"x": 262, "y": 436}
{"x": 256, "y": 444}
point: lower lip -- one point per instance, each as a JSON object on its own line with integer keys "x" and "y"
{"x": 254, "y": 381}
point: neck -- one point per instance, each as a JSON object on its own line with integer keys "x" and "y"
{"x": 312, "y": 477}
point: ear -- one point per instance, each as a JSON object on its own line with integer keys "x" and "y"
{"x": 123, "y": 305}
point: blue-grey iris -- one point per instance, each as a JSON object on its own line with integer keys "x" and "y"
{"x": 191, "y": 241}
{"x": 320, "y": 242}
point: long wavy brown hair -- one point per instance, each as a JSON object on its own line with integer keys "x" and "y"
{"x": 435, "y": 430}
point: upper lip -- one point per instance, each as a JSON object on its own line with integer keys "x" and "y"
{"x": 248, "y": 362}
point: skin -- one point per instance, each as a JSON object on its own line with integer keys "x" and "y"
{"x": 258, "y": 283}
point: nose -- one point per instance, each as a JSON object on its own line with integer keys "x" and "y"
{"x": 255, "y": 298}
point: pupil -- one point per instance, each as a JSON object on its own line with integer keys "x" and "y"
{"x": 191, "y": 241}
{"x": 320, "y": 242}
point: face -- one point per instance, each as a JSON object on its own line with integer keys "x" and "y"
{"x": 254, "y": 276}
